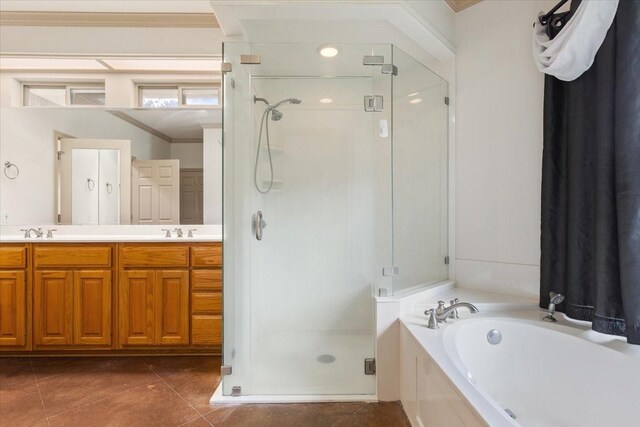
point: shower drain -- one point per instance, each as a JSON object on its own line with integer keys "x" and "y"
{"x": 326, "y": 358}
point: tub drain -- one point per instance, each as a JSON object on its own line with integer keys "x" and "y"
{"x": 326, "y": 358}
{"x": 510, "y": 413}
{"x": 494, "y": 336}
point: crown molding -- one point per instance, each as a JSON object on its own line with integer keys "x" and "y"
{"x": 108, "y": 19}
{"x": 459, "y": 5}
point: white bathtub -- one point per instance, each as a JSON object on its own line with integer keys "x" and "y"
{"x": 550, "y": 375}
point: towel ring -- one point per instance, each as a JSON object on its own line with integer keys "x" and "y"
{"x": 9, "y": 165}
{"x": 91, "y": 184}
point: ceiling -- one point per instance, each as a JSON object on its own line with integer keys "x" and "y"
{"x": 108, "y": 6}
{"x": 110, "y": 64}
{"x": 178, "y": 125}
{"x": 458, "y": 5}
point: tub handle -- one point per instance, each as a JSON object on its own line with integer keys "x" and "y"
{"x": 432, "y": 320}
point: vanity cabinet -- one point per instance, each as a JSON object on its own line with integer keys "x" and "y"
{"x": 206, "y": 296}
{"x": 111, "y": 298}
{"x": 72, "y": 296}
{"x": 154, "y": 307}
{"x": 14, "y": 298}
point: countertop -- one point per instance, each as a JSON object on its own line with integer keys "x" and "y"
{"x": 112, "y": 233}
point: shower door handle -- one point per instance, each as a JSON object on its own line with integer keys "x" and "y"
{"x": 258, "y": 224}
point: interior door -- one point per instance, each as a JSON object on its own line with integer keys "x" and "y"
{"x": 85, "y": 167}
{"x": 191, "y": 196}
{"x": 155, "y": 191}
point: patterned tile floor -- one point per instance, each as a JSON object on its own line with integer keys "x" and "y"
{"x": 154, "y": 391}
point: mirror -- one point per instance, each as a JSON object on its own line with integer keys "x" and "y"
{"x": 99, "y": 166}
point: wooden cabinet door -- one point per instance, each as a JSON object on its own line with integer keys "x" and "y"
{"x": 172, "y": 307}
{"x": 13, "y": 304}
{"x": 137, "y": 317}
{"x": 53, "y": 308}
{"x": 92, "y": 307}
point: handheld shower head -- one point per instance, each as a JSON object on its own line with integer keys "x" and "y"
{"x": 556, "y": 298}
{"x": 288, "y": 101}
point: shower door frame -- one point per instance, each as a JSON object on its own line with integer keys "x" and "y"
{"x": 233, "y": 308}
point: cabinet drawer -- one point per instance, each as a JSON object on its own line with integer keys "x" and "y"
{"x": 72, "y": 256}
{"x": 206, "y": 280}
{"x": 154, "y": 256}
{"x": 206, "y": 330}
{"x": 13, "y": 257}
{"x": 207, "y": 255}
{"x": 206, "y": 302}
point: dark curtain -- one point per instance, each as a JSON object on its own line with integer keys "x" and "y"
{"x": 591, "y": 185}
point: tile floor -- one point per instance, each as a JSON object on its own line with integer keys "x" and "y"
{"x": 154, "y": 391}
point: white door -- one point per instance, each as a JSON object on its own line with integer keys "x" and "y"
{"x": 85, "y": 186}
{"x": 93, "y": 181}
{"x": 191, "y": 191}
{"x": 155, "y": 191}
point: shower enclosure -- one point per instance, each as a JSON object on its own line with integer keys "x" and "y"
{"x": 345, "y": 199}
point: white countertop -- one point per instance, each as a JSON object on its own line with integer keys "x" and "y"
{"x": 112, "y": 233}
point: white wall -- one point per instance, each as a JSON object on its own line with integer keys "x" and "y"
{"x": 189, "y": 154}
{"x": 111, "y": 40}
{"x": 499, "y": 148}
{"x": 27, "y": 138}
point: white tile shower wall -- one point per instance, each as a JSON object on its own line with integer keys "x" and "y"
{"x": 27, "y": 137}
{"x": 498, "y": 148}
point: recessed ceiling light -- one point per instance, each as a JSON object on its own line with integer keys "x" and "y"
{"x": 412, "y": 94}
{"x": 415, "y": 101}
{"x": 326, "y": 101}
{"x": 328, "y": 51}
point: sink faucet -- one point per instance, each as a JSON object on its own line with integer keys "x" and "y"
{"x": 555, "y": 299}
{"x": 178, "y": 231}
{"x": 440, "y": 314}
{"x": 27, "y": 232}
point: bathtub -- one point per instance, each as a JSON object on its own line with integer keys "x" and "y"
{"x": 543, "y": 374}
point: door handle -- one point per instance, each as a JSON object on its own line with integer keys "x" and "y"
{"x": 258, "y": 224}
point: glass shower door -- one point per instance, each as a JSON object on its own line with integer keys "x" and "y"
{"x": 304, "y": 314}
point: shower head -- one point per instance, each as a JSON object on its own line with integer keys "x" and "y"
{"x": 556, "y": 298}
{"x": 275, "y": 115}
{"x": 288, "y": 101}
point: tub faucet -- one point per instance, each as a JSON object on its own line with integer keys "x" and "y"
{"x": 555, "y": 299}
{"x": 440, "y": 314}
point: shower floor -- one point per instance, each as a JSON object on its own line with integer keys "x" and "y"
{"x": 312, "y": 362}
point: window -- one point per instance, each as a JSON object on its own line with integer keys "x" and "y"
{"x": 178, "y": 96}
{"x": 200, "y": 97}
{"x": 87, "y": 96}
{"x": 158, "y": 97}
{"x": 45, "y": 96}
{"x": 62, "y": 95}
